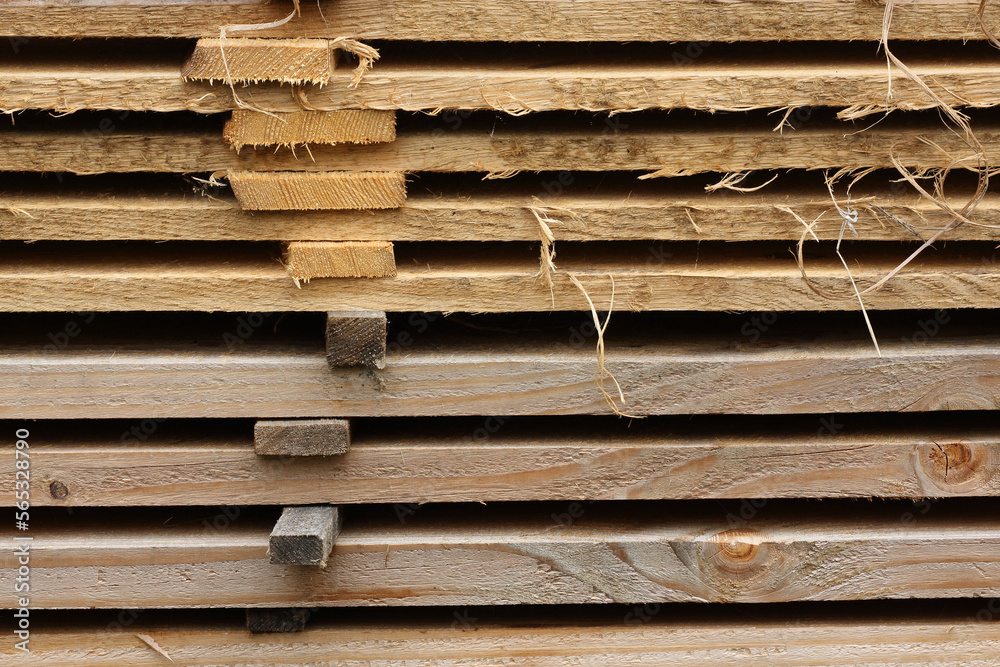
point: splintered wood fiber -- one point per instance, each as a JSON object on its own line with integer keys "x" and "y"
{"x": 306, "y": 191}
{"x": 340, "y": 259}
{"x": 247, "y": 60}
{"x": 354, "y": 126}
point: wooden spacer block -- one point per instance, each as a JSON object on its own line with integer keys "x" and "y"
{"x": 302, "y": 437}
{"x": 352, "y": 126}
{"x": 250, "y": 60}
{"x": 339, "y": 259}
{"x": 277, "y": 620}
{"x": 356, "y": 338}
{"x": 309, "y": 191}
{"x": 304, "y": 535}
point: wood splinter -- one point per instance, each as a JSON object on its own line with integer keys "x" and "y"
{"x": 302, "y": 437}
{"x": 356, "y": 338}
{"x": 318, "y": 191}
{"x": 252, "y": 60}
{"x": 351, "y": 126}
{"x": 304, "y": 535}
{"x": 306, "y": 260}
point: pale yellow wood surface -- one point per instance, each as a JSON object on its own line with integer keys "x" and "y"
{"x": 636, "y": 213}
{"x": 718, "y": 79}
{"x": 306, "y": 260}
{"x": 330, "y": 190}
{"x": 483, "y": 556}
{"x": 822, "y": 636}
{"x": 506, "y": 459}
{"x": 495, "y": 278}
{"x": 516, "y": 20}
{"x": 670, "y": 375}
{"x": 521, "y": 144}
{"x": 296, "y": 61}
{"x": 253, "y": 128}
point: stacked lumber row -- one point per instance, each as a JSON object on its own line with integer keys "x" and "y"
{"x": 321, "y": 426}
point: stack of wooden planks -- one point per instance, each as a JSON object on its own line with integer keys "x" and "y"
{"x": 580, "y": 326}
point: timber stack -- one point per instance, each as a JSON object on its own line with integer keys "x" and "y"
{"x": 482, "y": 331}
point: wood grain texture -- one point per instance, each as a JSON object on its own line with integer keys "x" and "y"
{"x": 306, "y": 260}
{"x": 515, "y": 20}
{"x": 652, "y": 146}
{"x": 613, "y": 214}
{"x": 249, "y": 60}
{"x": 490, "y": 278}
{"x": 702, "y": 374}
{"x": 712, "y": 81}
{"x": 499, "y": 459}
{"x": 356, "y": 338}
{"x": 252, "y": 128}
{"x": 822, "y": 635}
{"x": 276, "y": 620}
{"x": 302, "y": 437}
{"x": 304, "y": 535}
{"x": 331, "y": 190}
{"x": 484, "y": 557}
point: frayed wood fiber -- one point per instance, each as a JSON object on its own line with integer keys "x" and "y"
{"x": 305, "y": 260}
{"x": 249, "y": 60}
{"x": 324, "y": 191}
{"x": 352, "y": 126}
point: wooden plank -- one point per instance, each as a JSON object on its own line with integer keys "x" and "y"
{"x": 500, "y": 459}
{"x": 306, "y": 260}
{"x": 525, "y": 144}
{"x": 495, "y": 278}
{"x": 718, "y": 78}
{"x": 356, "y": 338}
{"x": 253, "y": 128}
{"x": 480, "y": 556}
{"x": 330, "y": 190}
{"x": 250, "y": 60}
{"x": 493, "y": 375}
{"x": 515, "y": 20}
{"x": 645, "y": 210}
{"x": 302, "y": 437}
{"x": 277, "y": 620}
{"x": 304, "y": 535}
{"x": 872, "y": 634}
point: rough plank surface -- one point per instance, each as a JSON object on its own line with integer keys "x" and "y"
{"x": 304, "y": 535}
{"x": 716, "y": 79}
{"x": 608, "y": 215}
{"x": 302, "y": 437}
{"x": 356, "y": 338}
{"x": 497, "y": 377}
{"x": 500, "y": 459}
{"x": 488, "y": 278}
{"x": 332, "y": 190}
{"x": 516, "y": 20}
{"x": 306, "y": 260}
{"x": 295, "y": 61}
{"x": 484, "y": 556}
{"x": 277, "y": 620}
{"x": 654, "y": 146}
{"x": 253, "y": 128}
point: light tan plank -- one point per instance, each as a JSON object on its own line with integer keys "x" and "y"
{"x": 494, "y": 278}
{"x": 830, "y": 552}
{"x": 497, "y": 376}
{"x": 505, "y": 459}
{"x": 306, "y": 260}
{"x": 253, "y": 128}
{"x": 249, "y": 60}
{"x": 642, "y": 212}
{"x": 716, "y": 79}
{"x": 329, "y": 190}
{"x": 515, "y": 20}
{"x": 711, "y": 145}
{"x": 643, "y": 634}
